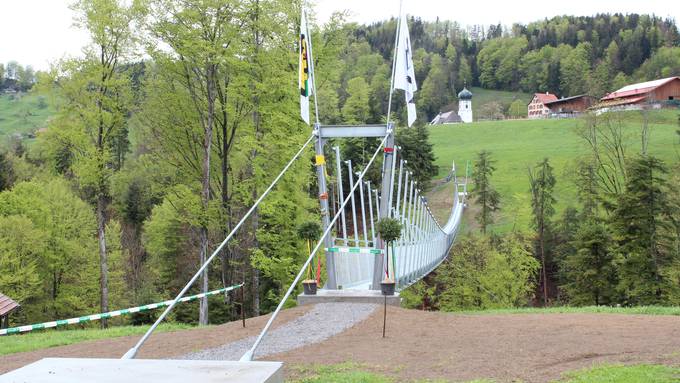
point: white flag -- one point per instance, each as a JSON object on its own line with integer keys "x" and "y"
{"x": 404, "y": 74}
{"x": 306, "y": 76}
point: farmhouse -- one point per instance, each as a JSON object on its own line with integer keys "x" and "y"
{"x": 537, "y": 107}
{"x": 570, "y": 106}
{"x": 654, "y": 93}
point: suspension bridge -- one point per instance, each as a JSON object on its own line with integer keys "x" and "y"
{"x": 355, "y": 256}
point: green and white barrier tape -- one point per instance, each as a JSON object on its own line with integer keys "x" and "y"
{"x": 110, "y": 314}
{"x": 354, "y": 250}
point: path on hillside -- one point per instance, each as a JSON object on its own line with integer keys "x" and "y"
{"x": 322, "y": 322}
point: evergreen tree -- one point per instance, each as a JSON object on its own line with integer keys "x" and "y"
{"x": 642, "y": 224}
{"x": 486, "y": 197}
{"x": 590, "y": 270}
{"x": 542, "y": 182}
{"x": 416, "y": 148}
{"x": 6, "y": 172}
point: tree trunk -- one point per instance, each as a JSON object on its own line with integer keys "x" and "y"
{"x": 545, "y": 274}
{"x": 258, "y": 137}
{"x": 103, "y": 263}
{"x": 205, "y": 192}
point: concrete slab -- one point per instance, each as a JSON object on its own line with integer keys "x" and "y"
{"x": 77, "y": 370}
{"x": 354, "y": 296}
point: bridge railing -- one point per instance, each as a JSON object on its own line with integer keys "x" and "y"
{"x": 424, "y": 242}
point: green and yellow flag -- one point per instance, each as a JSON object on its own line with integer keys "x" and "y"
{"x": 306, "y": 75}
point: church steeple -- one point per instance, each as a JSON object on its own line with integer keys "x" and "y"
{"x": 465, "y": 104}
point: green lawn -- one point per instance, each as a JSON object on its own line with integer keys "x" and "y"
{"x": 517, "y": 144}
{"x": 23, "y": 114}
{"x": 638, "y": 310}
{"x": 10, "y": 344}
{"x": 644, "y": 373}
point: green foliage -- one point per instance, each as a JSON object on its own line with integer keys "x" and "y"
{"x": 590, "y": 270}
{"x": 7, "y": 176}
{"x": 49, "y": 232}
{"x": 356, "y": 109}
{"x": 518, "y": 109}
{"x": 643, "y": 233}
{"x": 665, "y": 62}
{"x": 483, "y": 193}
{"x": 480, "y": 274}
{"x": 389, "y": 229}
{"x": 416, "y": 149}
{"x": 309, "y": 231}
{"x": 19, "y": 253}
{"x": 499, "y": 62}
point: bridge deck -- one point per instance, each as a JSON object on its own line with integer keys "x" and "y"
{"x": 350, "y": 296}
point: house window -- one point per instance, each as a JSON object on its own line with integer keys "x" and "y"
{"x": 670, "y": 98}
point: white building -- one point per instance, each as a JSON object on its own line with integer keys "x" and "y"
{"x": 465, "y": 105}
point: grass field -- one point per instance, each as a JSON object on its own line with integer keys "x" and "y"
{"x": 638, "y": 310}
{"x": 350, "y": 373}
{"x": 11, "y": 344}
{"x": 22, "y": 115}
{"x": 517, "y": 144}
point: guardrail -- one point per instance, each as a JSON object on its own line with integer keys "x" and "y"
{"x": 110, "y": 314}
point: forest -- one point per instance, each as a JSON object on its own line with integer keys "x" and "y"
{"x": 179, "y": 114}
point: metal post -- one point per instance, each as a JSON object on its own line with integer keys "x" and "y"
{"x": 388, "y": 159}
{"x": 323, "y": 201}
{"x": 243, "y": 305}
{"x": 363, "y": 213}
{"x": 394, "y": 164}
{"x": 354, "y": 208}
{"x": 406, "y": 192}
{"x": 401, "y": 170}
{"x": 370, "y": 209}
{"x": 340, "y": 191}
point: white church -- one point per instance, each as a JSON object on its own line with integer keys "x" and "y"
{"x": 464, "y": 110}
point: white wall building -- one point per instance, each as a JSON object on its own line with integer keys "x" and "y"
{"x": 465, "y": 105}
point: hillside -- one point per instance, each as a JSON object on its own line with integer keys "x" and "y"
{"x": 482, "y": 97}
{"x": 515, "y": 145}
{"x": 23, "y": 114}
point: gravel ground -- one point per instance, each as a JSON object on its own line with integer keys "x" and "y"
{"x": 317, "y": 325}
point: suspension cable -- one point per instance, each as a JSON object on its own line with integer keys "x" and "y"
{"x": 248, "y": 356}
{"x": 133, "y": 351}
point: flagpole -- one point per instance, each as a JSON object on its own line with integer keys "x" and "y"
{"x": 311, "y": 67}
{"x": 394, "y": 61}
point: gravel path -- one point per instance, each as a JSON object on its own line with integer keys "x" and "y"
{"x": 319, "y": 324}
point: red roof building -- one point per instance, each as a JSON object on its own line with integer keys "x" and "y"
{"x": 570, "y": 106}
{"x": 537, "y": 107}
{"x": 636, "y": 95}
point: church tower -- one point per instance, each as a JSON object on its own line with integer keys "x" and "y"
{"x": 465, "y": 105}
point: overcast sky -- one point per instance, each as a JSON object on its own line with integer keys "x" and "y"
{"x": 37, "y": 32}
